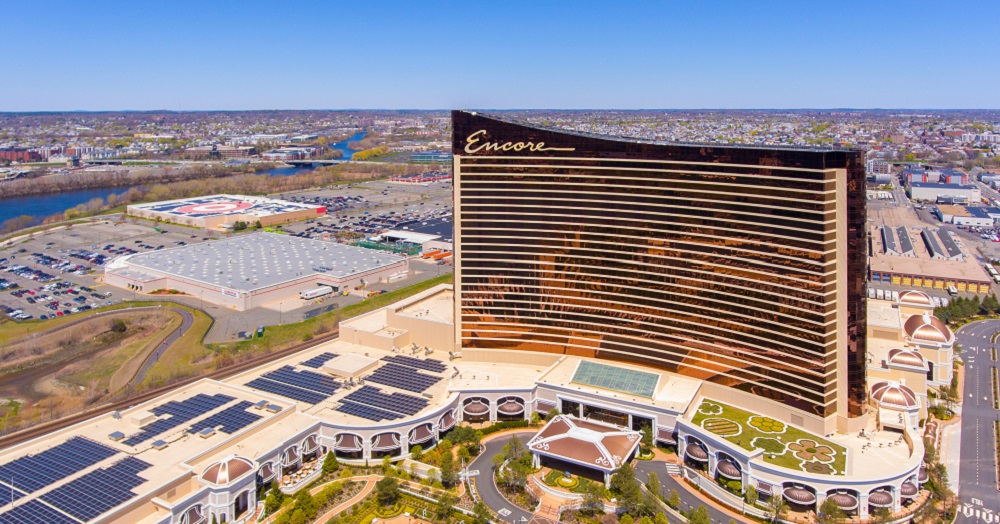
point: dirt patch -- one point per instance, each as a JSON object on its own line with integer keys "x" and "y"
{"x": 55, "y": 373}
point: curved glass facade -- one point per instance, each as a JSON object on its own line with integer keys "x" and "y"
{"x": 740, "y": 266}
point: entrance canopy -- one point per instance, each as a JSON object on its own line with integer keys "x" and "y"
{"x": 584, "y": 442}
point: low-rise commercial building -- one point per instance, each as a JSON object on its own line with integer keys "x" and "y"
{"x": 248, "y": 271}
{"x": 931, "y": 192}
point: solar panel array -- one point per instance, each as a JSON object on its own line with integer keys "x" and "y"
{"x": 402, "y": 377}
{"x": 98, "y": 491}
{"x": 317, "y": 361}
{"x": 34, "y": 472}
{"x": 294, "y": 393}
{"x": 8, "y": 495}
{"x": 180, "y": 412}
{"x": 398, "y": 402}
{"x": 428, "y": 364}
{"x": 231, "y": 419}
{"x": 371, "y": 403}
{"x": 304, "y": 386}
{"x": 35, "y": 512}
{"x": 367, "y": 412}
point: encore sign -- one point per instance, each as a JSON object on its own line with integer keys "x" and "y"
{"x": 473, "y": 145}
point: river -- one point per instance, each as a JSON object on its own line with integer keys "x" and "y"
{"x": 41, "y": 206}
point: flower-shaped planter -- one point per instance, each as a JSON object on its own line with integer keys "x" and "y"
{"x": 766, "y": 425}
{"x": 807, "y": 450}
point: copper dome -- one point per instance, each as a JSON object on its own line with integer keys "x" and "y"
{"x": 915, "y": 298}
{"x": 799, "y": 495}
{"x": 927, "y": 328}
{"x": 909, "y": 489}
{"x": 844, "y": 501}
{"x": 728, "y": 469}
{"x": 894, "y": 395}
{"x": 905, "y": 357}
{"x": 696, "y": 452}
{"x": 227, "y": 470}
{"x": 880, "y": 499}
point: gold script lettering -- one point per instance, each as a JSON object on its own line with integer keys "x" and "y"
{"x": 473, "y": 145}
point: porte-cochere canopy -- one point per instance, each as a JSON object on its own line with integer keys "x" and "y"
{"x": 584, "y": 442}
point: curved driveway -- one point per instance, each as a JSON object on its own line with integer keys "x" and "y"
{"x": 482, "y": 469}
{"x": 689, "y": 501}
{"x": 977, "y": 482}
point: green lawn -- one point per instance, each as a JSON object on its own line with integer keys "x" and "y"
{"x": 785, "y": 446}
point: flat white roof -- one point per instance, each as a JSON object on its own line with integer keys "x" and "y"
{"x": 257, "y": 260}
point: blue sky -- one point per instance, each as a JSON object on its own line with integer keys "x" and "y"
{"x": 248, "y": 54}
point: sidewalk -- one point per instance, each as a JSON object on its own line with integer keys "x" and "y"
{"x": 951, "y": 452}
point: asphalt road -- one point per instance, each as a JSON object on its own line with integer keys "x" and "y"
{"x": 979, "y": 500}
{"x": 186, "y": 320}
{"x": 483, "y": 469}
{"x": 669, "y": 483}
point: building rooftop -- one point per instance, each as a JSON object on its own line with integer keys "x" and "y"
{"x": 219, "y": 205}
{"x": 937, "y": 185}
{"x": 258, "y": 260}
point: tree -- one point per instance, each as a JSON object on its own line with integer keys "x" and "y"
{"x": 700, "y": 516}
{"x": 448, "y": 476}
{"x": 778, "y": 508}
{"x": 593, "y": 498}
{"x": 481, "y": 513}
{"x": 653, "y": 484}
{"x": 387, "y": 468}
{"x": 118, "y": 326}
{"x": 551, "y": 414}
{"x": 646, "y": 444}
{"x": 387, "y": 491}
{"x": 750, "y": 495}
{"x": 626, "y": 519}
{"x": 330, "y": 463}
{"x": 674, "y": 501}
{"x": 880, "y": 516}
{"x": 273, "y": 500}
{"x": 627, "y": 489}
{"x": 417, "y": 452}
{"x": 443, "y": 509}
{"x": 304, "y": 502}
{"x": 646, "y": 520}
{"x": 660, "y": 518}
{"x": 829, "y": 512}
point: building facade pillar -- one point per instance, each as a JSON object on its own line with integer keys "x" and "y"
{"x": 404, "y": 445}
{"x": 863, "y": 505}
{"x": 607, "y": 480}
{"x": 896, "y": 502}
{"x": 493, "y": 410}
{"x": 366, "y": 449}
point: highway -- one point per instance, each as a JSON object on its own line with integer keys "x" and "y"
{"x": 979, "y": 500}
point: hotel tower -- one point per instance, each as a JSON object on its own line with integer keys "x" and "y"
{"x": 740, "y": 266}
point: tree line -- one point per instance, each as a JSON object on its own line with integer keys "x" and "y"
{"x": 961, "y": 308}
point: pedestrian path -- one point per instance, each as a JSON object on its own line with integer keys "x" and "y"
{"x": 673, "y": 469}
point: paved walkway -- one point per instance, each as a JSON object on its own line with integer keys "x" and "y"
{"x": 365, "y": 491}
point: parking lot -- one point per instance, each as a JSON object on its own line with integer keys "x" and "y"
{"x": 373, "y": 207}
{"x": 59, "y": 272}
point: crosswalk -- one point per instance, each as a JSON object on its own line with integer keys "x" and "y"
{"x": 673, "y": 469}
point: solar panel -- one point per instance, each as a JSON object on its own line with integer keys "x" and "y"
{"x": 98, "y": 491}
{"x": 287, "y": 391}
{"x": 8, "y": 495}
{"x": 229, "y": 420}
{"x": 318, "y": 361}
{"x": 402, "y": 377}
{"x": 180, "y": 413}
{"x": 35, "y": 512}
{"x": 34, "y": 472}
{"x": 429, "y": 364}
{"x": 398, "y": 402}
{"x": 367, "y": 412}
{"x": 304, "y": 379}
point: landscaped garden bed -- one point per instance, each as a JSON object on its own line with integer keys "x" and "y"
{"x": 783, "y": 445}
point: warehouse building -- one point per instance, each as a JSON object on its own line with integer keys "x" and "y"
{"x": 932, "y": 192}
{"x": 248, "y": 271}
{"x": 223, "y": 211}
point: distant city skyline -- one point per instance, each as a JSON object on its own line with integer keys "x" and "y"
{"x": 251, "y": 55}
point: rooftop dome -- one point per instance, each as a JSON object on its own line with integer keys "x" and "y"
{"x": 894, "y": 395}
{"x": 227, "y": 470}
{"x": 905, "y": 357}
{"x": 915, "y": 298}
{"x": 927, "y": 328}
